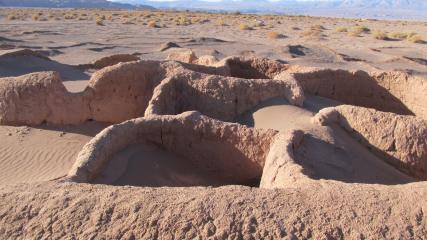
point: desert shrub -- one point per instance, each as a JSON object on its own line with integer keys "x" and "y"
{"x": 411, "y": 34}
{"x": 317, "y": 28}
{"x": 342, "y": 29}
{"x": 398, "y": 35}
{"x": 275, "y": 35}
{"x": 245, "y": 27}
{"x": 12, "y": 17}
{"x": 416, "y": 38}
{"x": 259, "y": 24}
{"x": 269, "y": 26}
{"x": 380, "y": 35}
{"x": 69, "y": 16}
{"x": 357, "y": 30}
{"x": 99, "y": 22}
{"x": 184, "y": 21}
{"x": 128, "y": 22}
{"x": 152, "y": 24}
{"x": 221, "y": 23}
{"x": 35, "y": 17}
{"x": 314, "y": 32}
{"x": 194, "y": 20}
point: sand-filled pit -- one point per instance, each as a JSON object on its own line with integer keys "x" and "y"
{"x": 210, "y": 149}
{"x": 399, "y": 140}
{"x": 395, "y": 92}
{"x": 224, "y": 98}
{"x": 152, "y": 166}
{"x": 334, "y": 155}
{"x": 279, "y": 114}
{"x": 324, "y": 152}
{"x": 252, "y": 68}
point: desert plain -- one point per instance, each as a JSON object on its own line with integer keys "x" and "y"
{"x": 192, "y": 125}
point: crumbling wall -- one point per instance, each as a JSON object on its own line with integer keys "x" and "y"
{"x": 122, "y": 92}
{"x": 114, "y": 94}
{"x": 113, "y": 60}
{"x": 252, "y": 68}
{"x": 395, "y": 92}
{"x": 224, "y": 98}
{"x": 401, "y": 140}
{"x": 280, "y": 169}
{"x": 40, "y": 97}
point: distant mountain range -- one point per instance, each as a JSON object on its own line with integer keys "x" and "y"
{"x": 388, "y": 9}
{"x": 266, "y": 4}
{"x": 382, "y": 9}
{"x": 406, "y": 4}
{"x": 68, "y": 4}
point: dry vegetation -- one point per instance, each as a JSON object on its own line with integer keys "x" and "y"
{"x": 275, "y": 35}
{"x": 380, "y": 35}
{"x": 356, "y": 31}
{"x": 415, "y": 38}
{"x": 315, "y": 32}
{"x": 399, "y": 35}
{"x": 245, "y": 27}
{"x": 276, "y": 26}
{"x": 152, "y": 24}
{"x": 99, "y": 22}
{"x": 342, "y": 29}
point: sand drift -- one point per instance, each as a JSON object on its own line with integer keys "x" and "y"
{"x": 172, "y": 114}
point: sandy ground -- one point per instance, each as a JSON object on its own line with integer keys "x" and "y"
{"x": 74, "y": 42}
{"x": 43, "y": 153}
